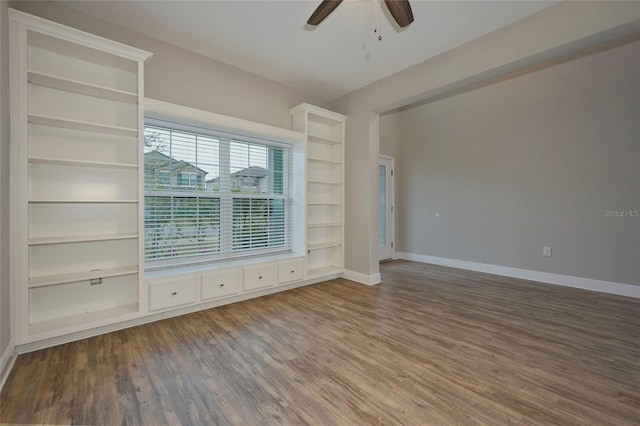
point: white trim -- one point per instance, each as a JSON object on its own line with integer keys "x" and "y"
{"x": 71, "y": 337}
{"x": 169, "y": 110}
{"x": 143, "y": 305}
{"x": 204, "y": 267}
{"x": 54, "y": 29}
{"x": 391, "y": 184}
{"x": 9, "y": 349}
{"x": 620, "y": 289}
{"x": 170, "y": 116}
{"x": 7, "y": 360}
{"x": 18, "y": 210}
{"x": 318, "y": 111}
{"x": 361, "y": 278}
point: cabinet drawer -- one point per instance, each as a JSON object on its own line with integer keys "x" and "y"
{"x": 257, "y": 277}
{"x": 290, "y": 270}
{"x": 220, "y": 283}
{"x": 170, "y": 292}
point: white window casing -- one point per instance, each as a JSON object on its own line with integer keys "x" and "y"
{"x": 213, "y": 192}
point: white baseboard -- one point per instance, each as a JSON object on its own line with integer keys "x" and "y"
{"x": 7, "y": 359}
{"x": 358, "y": 277}
{"x": 620, "y": 289}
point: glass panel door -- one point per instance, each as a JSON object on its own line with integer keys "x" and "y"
{"x": 385, "y": 208}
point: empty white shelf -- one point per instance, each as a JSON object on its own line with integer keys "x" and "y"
{"x": 55, "y": 82}
{"x": 73, "y": 320}
{"x": 71, "y": 277}
{"x": 323, "y": 182}
{"x": 81, "y": 154}
{"x": 323, "y": 225}
{"x": 67, "y": 162}
{"x": 322, "y": 139}
{"x": 323, "y": 160}
{"x": 81, "y": 125}
{"x": 327, "y": 244}
{"x": 38, "y": 241}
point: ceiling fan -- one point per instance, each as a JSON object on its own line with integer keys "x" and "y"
{"x": 399, "y": 9}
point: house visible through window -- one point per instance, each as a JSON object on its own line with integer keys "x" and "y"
{"x": 210, "y": 195}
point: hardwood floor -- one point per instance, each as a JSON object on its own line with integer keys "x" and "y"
{"x": 430, "y": 346}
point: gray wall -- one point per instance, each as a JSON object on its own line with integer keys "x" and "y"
{"x": 176, "y": 75}
{"x": 389, "y": 132}
{"x": 555, "y": 31}
{"x": 5, "y": 305}
{"x": 531, "y": 161}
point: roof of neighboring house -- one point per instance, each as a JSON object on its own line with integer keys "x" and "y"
{"x": 173, "y": 163}
{"x": 253, "y": 171}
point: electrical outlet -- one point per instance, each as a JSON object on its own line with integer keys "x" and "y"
{"x": 546, "y": 251}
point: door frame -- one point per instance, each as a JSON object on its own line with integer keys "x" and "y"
{"x": 391, "y": 223}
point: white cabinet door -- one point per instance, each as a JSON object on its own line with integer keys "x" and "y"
{"x": 220, "y": 284}
{"x": 172, "y": 292}
{"x": 290, "y": 271}
{"x": 258, "y": 277}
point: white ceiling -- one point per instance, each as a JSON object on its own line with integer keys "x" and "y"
{"x": 342, "y": 54}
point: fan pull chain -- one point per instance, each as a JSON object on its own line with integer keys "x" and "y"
{"x": 375, "y": 31}
{"x": 377, "y": 21}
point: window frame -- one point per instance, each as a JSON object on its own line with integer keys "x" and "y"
{"x": 176, "y": 117}
{"x": 190, "y": 175}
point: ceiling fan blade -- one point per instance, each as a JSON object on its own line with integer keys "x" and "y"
{"x": 324, "y": 10}
{"x": 401, "y": 11}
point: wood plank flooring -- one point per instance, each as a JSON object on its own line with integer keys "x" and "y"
{"x": 430, "y": 346}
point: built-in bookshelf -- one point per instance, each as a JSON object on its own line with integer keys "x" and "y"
{"x": 77, "y": 108}
{"x": 324, "y": 131}
{"x": 77, "y": 199}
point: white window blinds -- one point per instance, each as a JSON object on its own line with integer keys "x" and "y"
{"x": 211, "y": 195}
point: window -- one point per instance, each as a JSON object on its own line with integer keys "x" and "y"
{"x": 210, "y": 195}
{"x": 189, "y": 179}
{"x": 164, "y": 178}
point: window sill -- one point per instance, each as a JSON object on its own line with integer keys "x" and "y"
{"x": 208, "y": 267}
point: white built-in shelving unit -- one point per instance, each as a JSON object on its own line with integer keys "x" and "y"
{"x": 77, "y": 198}
{"x": 324, "y": 132}
{"x": 77, "y": 116}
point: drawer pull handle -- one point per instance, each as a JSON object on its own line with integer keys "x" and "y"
{"x": 174, "y": 293}
{"x": 259, "y": 278}
{"x": 292, "y": 271}
{"x": 221, "y": 285}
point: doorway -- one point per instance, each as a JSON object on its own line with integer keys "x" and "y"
{"x": 385, "y": 207}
